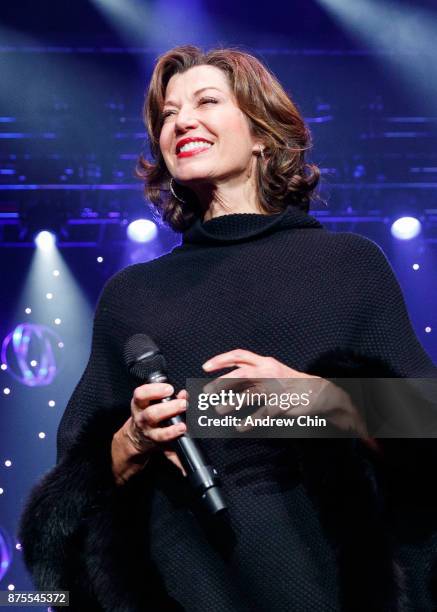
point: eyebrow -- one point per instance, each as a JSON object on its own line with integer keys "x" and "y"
{"x": 170, "y": 102}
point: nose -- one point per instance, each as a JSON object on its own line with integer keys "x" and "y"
{"x": 185, "y": 119}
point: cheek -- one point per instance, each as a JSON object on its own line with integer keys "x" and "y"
{"x": 238, "y": 134}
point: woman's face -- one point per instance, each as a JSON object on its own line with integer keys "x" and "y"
{"x": 200, "y": 106}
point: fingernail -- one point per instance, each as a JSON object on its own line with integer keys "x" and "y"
{"x": 183, "y": 404}
{"x": 182, "y": 427}
{"x": 168, "y": 389}
{"x": 207, "y": 365}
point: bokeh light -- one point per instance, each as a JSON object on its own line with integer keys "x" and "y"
{"x": 45, "y": 241}
{"x": 142, "y": 230}
{"x": 406, "y": 228}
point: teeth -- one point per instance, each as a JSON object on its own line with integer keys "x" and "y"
{"x": 190, "y": 146}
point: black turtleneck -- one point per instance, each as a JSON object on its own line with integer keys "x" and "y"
{"x": 278, "y": 285}
{"x": 238, "y": 227}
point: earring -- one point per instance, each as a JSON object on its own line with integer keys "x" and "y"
{"x": 261, "y": 152}
{"x": 174, "y": 194}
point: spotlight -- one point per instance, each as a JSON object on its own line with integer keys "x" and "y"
{"x": 142, "y": 230}
{"x": 406, "y": 228}
{"x": 45, "y": 240}
{"x": 43, "y": 222}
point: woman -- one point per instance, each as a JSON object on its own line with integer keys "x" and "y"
{"x": 259, "y": 287}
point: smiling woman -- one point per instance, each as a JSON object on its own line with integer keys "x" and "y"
{"x": 256, "y": 138}
{"x": 207, "y": 143}
{"x": 259, "y": 288}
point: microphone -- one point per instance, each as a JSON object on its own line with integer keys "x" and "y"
{"x": 145, "y": 362}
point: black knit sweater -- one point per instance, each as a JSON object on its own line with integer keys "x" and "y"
{"x": 279, "y": 285}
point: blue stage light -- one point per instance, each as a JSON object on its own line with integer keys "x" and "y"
{"x": 5, "y": 550}
{"x": 45, "y": 240}
{"x": 406, "y": 228}
{"x": 142, "y": 230}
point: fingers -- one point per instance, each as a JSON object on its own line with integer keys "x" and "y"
{"x": 147, "y": 393}
{"x": 230, "y": 359}
{"x": 144, "y": 394}
{"x": 242, "y": 393}
{"x": 148, "y": 429}
{"x": 165, "y": 434}
{"x": 147, "y": 417}
{"x": 144, "y": 434}
{"x": 247, "y": 395}
{"x": 152, "y": 416}
{"x": 172, "y": 456}
{"x": 237, "y": 383}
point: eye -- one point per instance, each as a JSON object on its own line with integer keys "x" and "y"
{"x": 206, "y": 100}
{"x": 166, "y": 114}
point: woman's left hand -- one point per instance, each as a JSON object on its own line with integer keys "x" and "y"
{"x": 329, "y": 400}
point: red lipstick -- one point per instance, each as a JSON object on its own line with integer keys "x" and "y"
{"x": 185, "y": 141}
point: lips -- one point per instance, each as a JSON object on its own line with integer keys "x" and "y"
{"x": 185, "y": 141}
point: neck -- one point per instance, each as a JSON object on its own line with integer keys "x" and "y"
{"x": 226, "y": 206}
{"x": 237, "y": 195}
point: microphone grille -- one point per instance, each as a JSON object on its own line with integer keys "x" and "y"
{"x": 142, "y": 356}
{"x": 144, "y": 368}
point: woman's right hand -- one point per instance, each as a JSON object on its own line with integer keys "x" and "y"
{"x": 144, "y": 433}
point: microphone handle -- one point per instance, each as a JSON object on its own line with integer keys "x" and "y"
{"x": 200, "y": 475}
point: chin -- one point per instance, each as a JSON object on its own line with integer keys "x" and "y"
{"x": 191, "y": 178}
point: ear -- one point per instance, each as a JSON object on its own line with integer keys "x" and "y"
{"x": 257, "y": 144}
{"x": 258, "y": 149}
{"x": 261, "y": 148}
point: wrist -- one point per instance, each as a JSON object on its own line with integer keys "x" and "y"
{"x": 136, "y": 443}
{"x": 127, "y": 457}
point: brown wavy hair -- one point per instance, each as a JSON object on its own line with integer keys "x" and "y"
{"x": 286, "y": 178}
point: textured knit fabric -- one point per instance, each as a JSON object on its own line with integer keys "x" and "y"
{"x": 278, "y": 285}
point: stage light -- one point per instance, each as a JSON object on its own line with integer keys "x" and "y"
{"x": 131, "y": 18}
{"x": 31, "y": 342}
{"x": 142, "y": 230}
{"x": 406, "y": 228}
{"x": 399, "y": 33}
{"x": 5, "y": 549}
{"x": 140, "y": 23}
{"x": 45, "y": 240}
{"x": 44, "y": 222}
